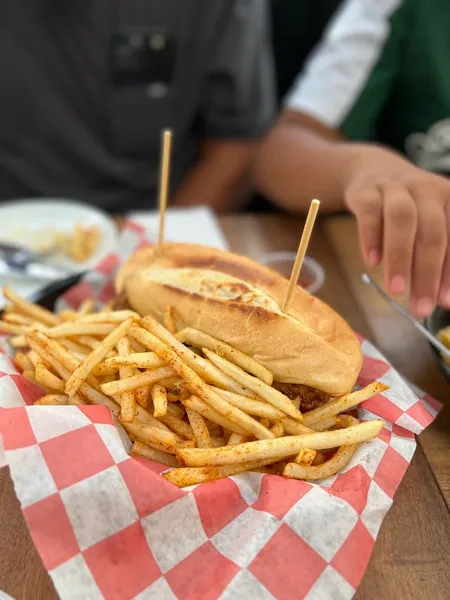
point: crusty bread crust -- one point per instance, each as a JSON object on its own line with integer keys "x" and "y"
{"x": 238, "y": 301}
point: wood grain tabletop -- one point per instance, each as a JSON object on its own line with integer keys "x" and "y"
{"x": 410, "y": 560}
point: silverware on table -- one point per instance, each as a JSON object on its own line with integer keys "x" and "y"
{"x": 28, "y": 263}
{"x": 430, "y": 337}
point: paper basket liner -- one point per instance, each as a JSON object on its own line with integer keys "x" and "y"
{"x": 107, "y": 525}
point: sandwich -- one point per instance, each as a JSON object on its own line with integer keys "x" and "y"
{"x": 312, "y": 352}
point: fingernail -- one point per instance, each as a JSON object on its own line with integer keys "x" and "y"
{"x": 444, "y": 299}
{"x": 374, "y": 258}
{"x": 423, "y": 307}
{"x": 398, "y": 284}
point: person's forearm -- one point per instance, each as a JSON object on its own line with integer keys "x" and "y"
{"x": 295, "y": 164}
{"x": 220, "y": 178}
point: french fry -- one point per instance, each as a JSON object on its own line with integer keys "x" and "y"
{"x": 305, "y": 457}
{"x": 199, "y": 428}
{"x": 95, "y": 357}
{"x": 207, "y": 371}
{"x": 47, "y": 379}
{"x": 74, "y": 347}
{"x": 197, "y": 386}
{"x": 181, "y": 428}
{"x": 117, "y": 316}
{"x": 202, "y": 408}
{"x": 169, "y": 320}
{"x": 53, "y": 400}
{"x": 267, "y": 393}
{"x": 42, "y": 315}
{"x": 11, "y": 328}
{"x": 74, "y": 329}
{"x": 86, "y": 307}
{"x": 336, "y": 463}
{"x": 17, "y": 319}
{"x": 137, "y": 381}
{"x": 159, "y": 397}
{"x": 279, "y": 448}
{"x": 18, "y": 341}
{"x": 137, "y": 347}
{"x": 147, "y": 433}
{"x": 23, "y": 362}
{"x": 234, "y": 440}
{"x": 142, "y": 395}
{"x": 192, "y": 476}
{"x": 277, "y": 429}
{"x": 128, "y": 398}
{"x": 343, "y": 403}
{"x": 294, "y": 427}
{"x": 247, "y": 363}
{"x": 265, "y": 423}
{"x": 256, "y": 408}
{"x": 144, "y": 360}
{"x": 67, "y": 315}
{"x": 324, "y": 425}
{"x": 140, "y": 449}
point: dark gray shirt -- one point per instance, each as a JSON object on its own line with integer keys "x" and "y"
{"x": 86, "y": 87}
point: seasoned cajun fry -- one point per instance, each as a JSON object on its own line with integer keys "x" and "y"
{"x": 11, "y": 328}
{"x": 128, "y": 398}
{"x": 199, "y": 428}
{"x": 42, "y": 315}
{"x": 305, "y": 457}
{"x": 250, "y": 406}
{"x": 17, "y": 319}
{"x": 86, "y": 307}
{"x": 147, "y": 433}
{"x": 336, "y": 463}
{"x": 47, "y": 379}
{"x": 18, "y": 341}
{"x": 159, "y": 397}
{"x": 324, "y": 425}
{"x": 202, "y": 408}
{"x": 192, "y": 476}
{"x": 117, "y": 316}
{"x": 294, "y": 427}
{"x": 277, "y": 429}
{"x": 169, "y": 320}
{"x": 203, "y": 368}
{"x": 197, "y": 386}
{"x": 203, "y": 340}
{"x": 74, "y": 347}
{"x": 263, "y": 390}
{"x": 181, "y": 428}
{"x": 279, "y": 448}
{"x": 140, "y": 449}
{"x": 142, "y": 395}
{"x": 72, "y": 329}
{"x": 96, "y": 356}
{"x": 234, "y": 440}
{"x": 137, "y": 381}
{"x": 23, "y": 362}
{"x": 144, "y": 360}
{"x": 53, "y": 399}
{"x": 343, "y": 403}
{"x": 176, "y": 410}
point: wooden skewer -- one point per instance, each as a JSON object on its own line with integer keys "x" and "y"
{"x": 302, "y": 247}
{"x": 166, "y": 151}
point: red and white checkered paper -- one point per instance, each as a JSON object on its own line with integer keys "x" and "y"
{"x": 107, "y": 525}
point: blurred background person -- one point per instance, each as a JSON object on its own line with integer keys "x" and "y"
{"x": 378, "y": 79}
{"x": 86, "y": 87}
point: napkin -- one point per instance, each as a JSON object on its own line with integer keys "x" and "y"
{"x": 107, "y": 525}
{"x": 191, "y": 225}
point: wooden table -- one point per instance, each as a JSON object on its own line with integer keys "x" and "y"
{"x": 411, "y": 556}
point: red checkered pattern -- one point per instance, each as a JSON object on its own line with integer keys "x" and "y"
{"x": 107, "y": 525}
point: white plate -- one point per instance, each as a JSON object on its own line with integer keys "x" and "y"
{"x": 25, "y": 222}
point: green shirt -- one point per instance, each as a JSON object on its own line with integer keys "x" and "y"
{"x": 382, "y": 72}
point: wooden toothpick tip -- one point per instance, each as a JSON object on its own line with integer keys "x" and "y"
{"x": 302, "y": 247}
{"x": 164, "y": 180}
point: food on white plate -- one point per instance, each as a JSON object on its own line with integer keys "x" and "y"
{"x": 202, "y": 369}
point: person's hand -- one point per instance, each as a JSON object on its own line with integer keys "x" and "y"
{"x": 403, "y": 216}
